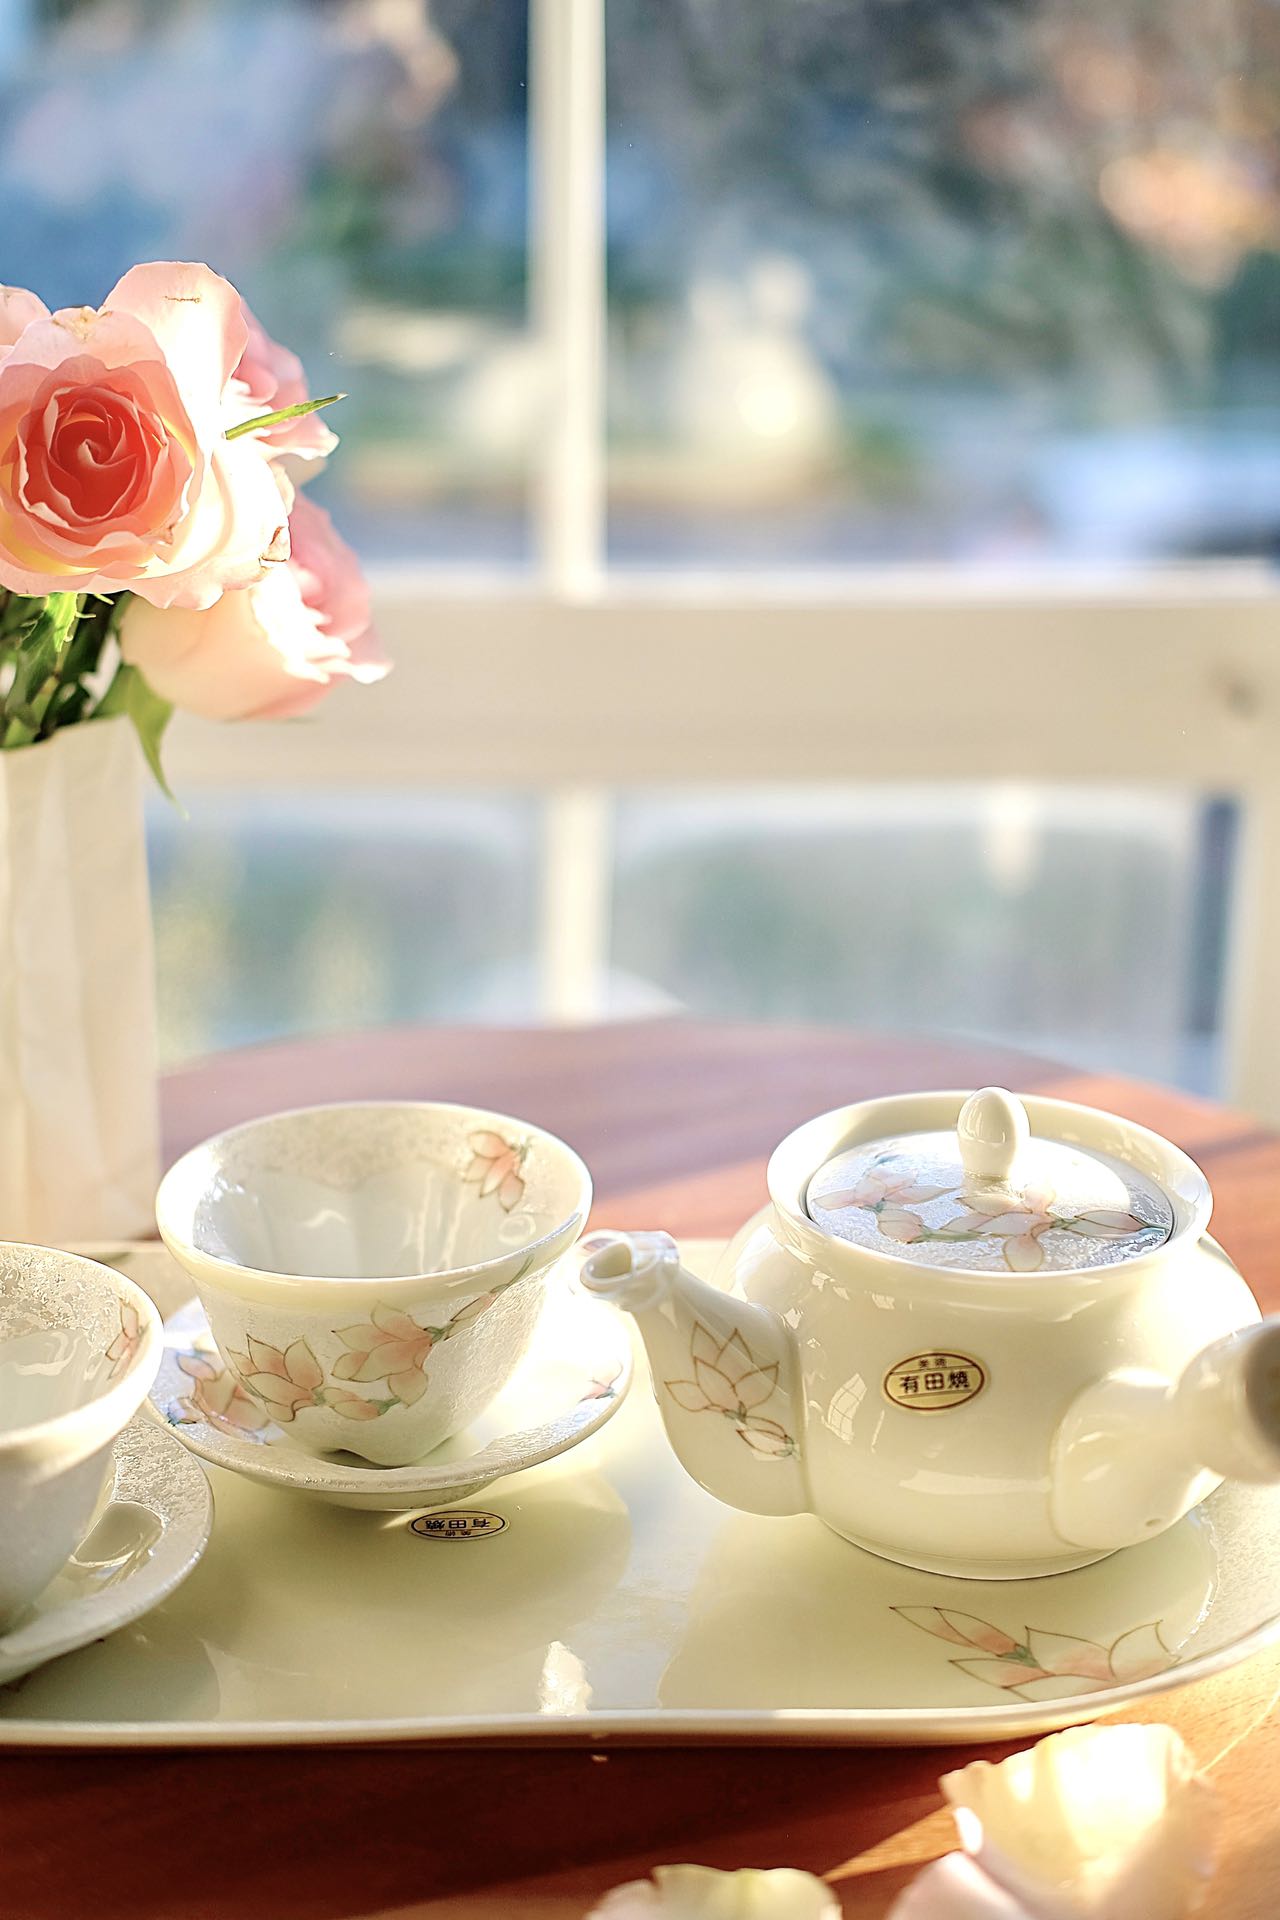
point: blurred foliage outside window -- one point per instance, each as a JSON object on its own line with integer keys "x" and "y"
{"x": 959, "y": 281}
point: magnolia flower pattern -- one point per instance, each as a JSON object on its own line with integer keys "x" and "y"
{"x": 729, "y": 1380}
{"x": 889, "y": 1196}
{"x": 496, "y": 1164}
{"x": 1013, "y": 1665}
{"x": 288, "y": 1379}
{"x": 1039, "y": 1214}
{"x": 389, "y": 1346}
{"x": 217, "y": 1397}
{"x": 893, "y": 1195}
{"x": 603, "y": 1389}
{"x": 126, "y": 1343}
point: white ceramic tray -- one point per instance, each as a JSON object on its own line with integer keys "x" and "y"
{"x": 618, "y": 1601}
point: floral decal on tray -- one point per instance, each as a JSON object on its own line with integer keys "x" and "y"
{"x": 496, "y": 1164}
{"x": 126, "y": 1343}
{"x": 729, "y": 1380}
{"x": 1012, "y": 1664}
{"x": 892, "y": 1197}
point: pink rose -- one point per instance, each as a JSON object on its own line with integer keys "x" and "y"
{"x": 115, "y": 471}
{"x": 18, "y": 309}
{"x": 269, "y": 378}
{"x": 271, "y": 651}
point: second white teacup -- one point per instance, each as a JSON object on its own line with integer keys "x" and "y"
{"x": 372, "y": 1273}
{"x": 79, "y": 1347}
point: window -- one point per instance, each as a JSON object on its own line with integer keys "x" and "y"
{"x": 863, "y": 410}
{"x": 357, "y": 169}
{"x": 995, "y": 281}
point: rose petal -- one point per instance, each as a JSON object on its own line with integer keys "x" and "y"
{"x": 704, "y": 1893}
{"x": 955, "y": 1888}
{"x": 18, "y": 309}
{"x": 1117, "y": 1815}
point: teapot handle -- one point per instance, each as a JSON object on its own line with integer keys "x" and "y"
{"x": 1135, "y": 1451}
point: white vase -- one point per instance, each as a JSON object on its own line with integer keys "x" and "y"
{"x": 79, "y": 1147}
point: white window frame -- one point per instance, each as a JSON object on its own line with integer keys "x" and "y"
{"x": 577, "y": 683}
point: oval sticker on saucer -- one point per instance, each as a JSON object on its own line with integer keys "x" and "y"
{"x": 463, "y": 1523}
{"x": 932, "y": 1382}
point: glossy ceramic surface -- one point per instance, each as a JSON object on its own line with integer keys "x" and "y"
{"x": 79, "y": 1346}
{"x": 617, "y": 1600}
{"x": 572, "y": 1380}
{"x": 997, "y": 1418}
{"x": 373, "y": 1272}
{"x": 150, "y": 1529}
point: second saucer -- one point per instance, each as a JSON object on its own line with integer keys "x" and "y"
{"x": 572, "y": 1380}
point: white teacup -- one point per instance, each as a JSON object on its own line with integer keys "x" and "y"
{"x": 372, "y": 1273}
{"x": 79, "y": 1348}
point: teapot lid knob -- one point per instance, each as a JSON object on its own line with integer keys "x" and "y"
{"x": 992, "y": 1129}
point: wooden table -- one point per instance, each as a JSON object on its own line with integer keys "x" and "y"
{"x": 676, "y": 1121}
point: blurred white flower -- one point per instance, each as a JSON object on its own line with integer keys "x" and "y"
{"x": 956, "y": 1889}
{"x": 1098, "y": 1823}
{"x": 703, "y": 1893}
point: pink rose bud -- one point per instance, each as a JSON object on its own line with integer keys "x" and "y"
{"x": 273, "y": 650}
{"x": 268, "y": 379}
{"x": 18, "y": 309}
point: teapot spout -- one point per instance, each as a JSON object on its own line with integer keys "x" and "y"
{"x": 723, "y": 1369}
{"x": 1135, "y": 1452}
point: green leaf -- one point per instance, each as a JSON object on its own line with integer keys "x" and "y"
{"x": 37, "y": 666}
{"x": 130, "y": 694}
{"x": 284, "y": 413}
{"x": 40, "y": 646}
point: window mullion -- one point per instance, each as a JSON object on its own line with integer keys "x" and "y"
{"x": 567, "y": 272}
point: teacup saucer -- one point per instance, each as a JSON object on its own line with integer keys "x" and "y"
{"x": 571, "y": 1381}
{"x": 150, "y": 1531}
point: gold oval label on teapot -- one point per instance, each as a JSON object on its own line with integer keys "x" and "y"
{"x": 463, "y": 1523}
{"x": 932, "y": 1382}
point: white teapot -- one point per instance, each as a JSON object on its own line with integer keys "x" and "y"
{"x": 982, "y": 1336}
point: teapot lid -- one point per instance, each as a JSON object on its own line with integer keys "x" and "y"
{"x": 990, "y": 1197}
